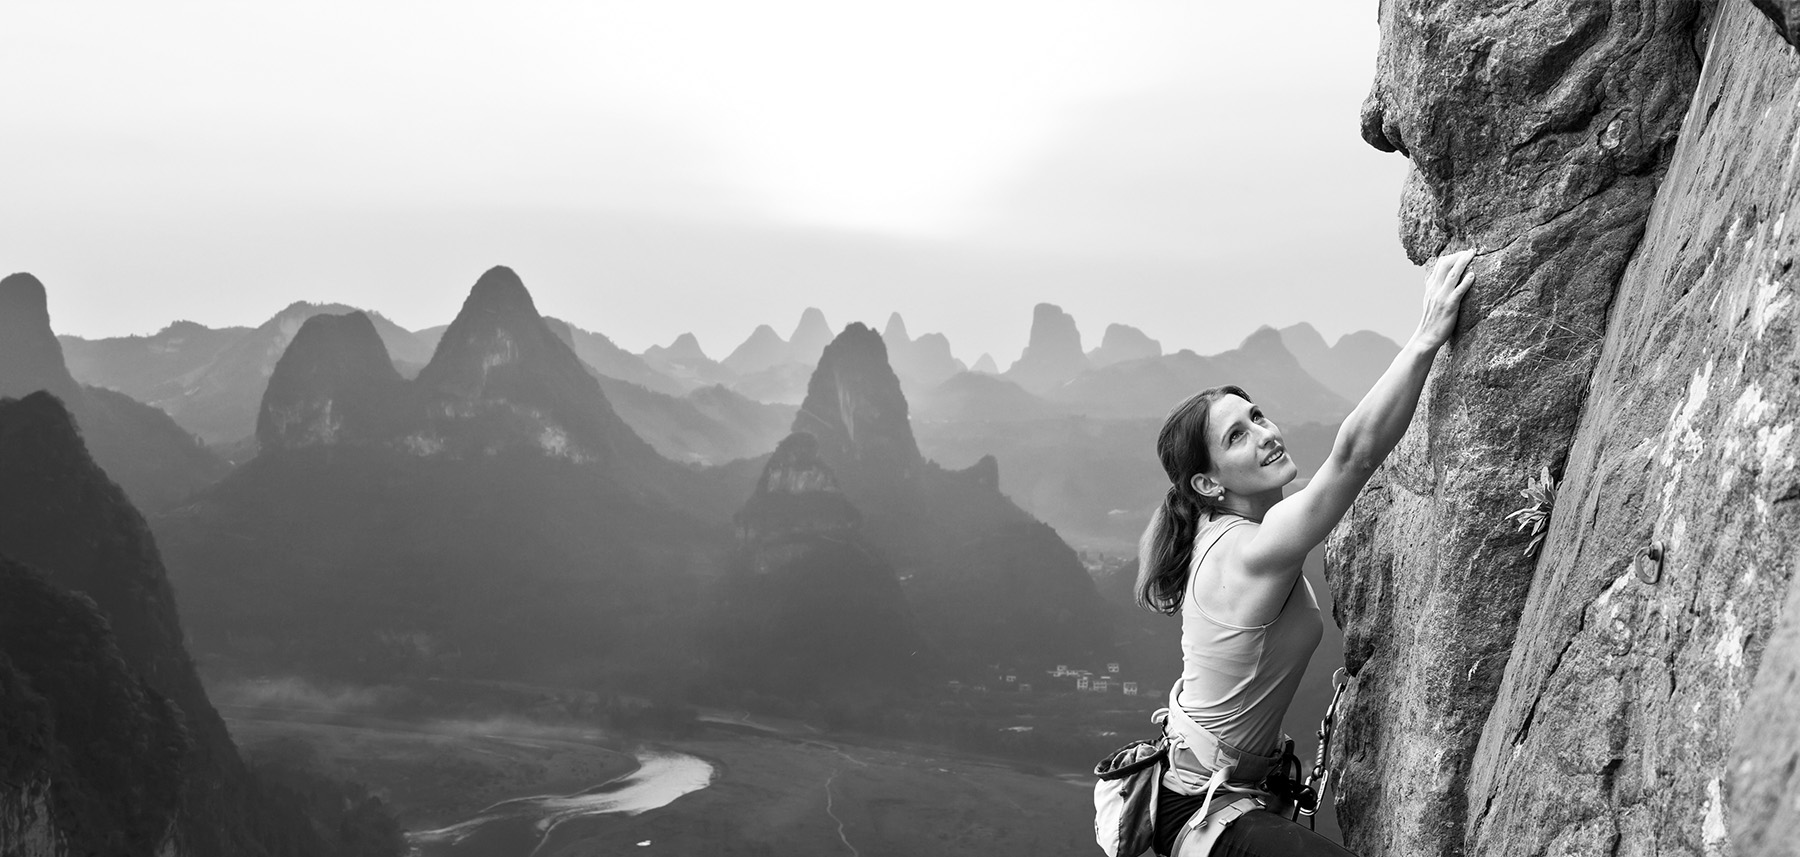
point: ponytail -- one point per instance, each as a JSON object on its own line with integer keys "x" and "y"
{"x": 1167, "y": 546}
{"x": 1166, "y": 549}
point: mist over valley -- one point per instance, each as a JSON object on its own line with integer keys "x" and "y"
{"x": 474, "y": 567}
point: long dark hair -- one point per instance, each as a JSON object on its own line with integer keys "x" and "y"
{"x": 1168, "y": 544}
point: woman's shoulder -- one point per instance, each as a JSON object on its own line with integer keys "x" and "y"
{"x": 1220, "y": 529}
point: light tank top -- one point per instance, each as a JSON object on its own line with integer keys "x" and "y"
{"x": 1237, "y": 681}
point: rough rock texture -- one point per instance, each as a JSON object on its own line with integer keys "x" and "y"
{"x": 1785, "y": 14}
{"x": 1053, "y": 354}
{"x": 1539, "y": 133}
{"x": 1122, "y": 342}
{"x": 1616, "y": 720}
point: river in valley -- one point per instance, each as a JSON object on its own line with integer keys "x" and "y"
{"x": 524, "y": 826}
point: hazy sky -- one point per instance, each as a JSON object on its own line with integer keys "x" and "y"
{"x": 1189, "y": 168}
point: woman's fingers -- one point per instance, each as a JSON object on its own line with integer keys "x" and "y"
{"x": 1460, "y": 263}
{"x": 1447, "y": 274}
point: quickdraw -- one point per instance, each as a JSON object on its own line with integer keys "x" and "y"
{"x": 1319, "y": 780}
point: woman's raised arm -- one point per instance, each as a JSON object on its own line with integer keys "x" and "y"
{"x": 1298, "y": 523}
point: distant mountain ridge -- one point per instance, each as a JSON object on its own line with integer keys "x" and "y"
{"x": 984, "y": 579}
{"x": 500, "y": 378}
{"x": 1149, "y": 387}
{"x": 156, "y": 462}
{"x": 1350, "y": 366}
{"x": 212, "y": 381}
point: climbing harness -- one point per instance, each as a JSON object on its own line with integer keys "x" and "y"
{"x": 1307, "y": 801}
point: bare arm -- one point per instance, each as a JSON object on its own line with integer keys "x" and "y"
{"x": 1298, "y": 523}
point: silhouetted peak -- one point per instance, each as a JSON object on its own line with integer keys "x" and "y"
{"x": 986, "y": 365}
{"x": 183, "y": 327}
{"x": 1305, "y": 343}
{"x": 685, "y": 347}
{"x": 30, "y": 357}
{"x": 810, "y": 337}
{"x": 40, "y": 415}
{"x": 1122, "y": 343}
{"x": 854, "y": 404}
{"x": 1366, "y": 340}
{"x": 764, "y": 348}
{"x": 1053, "y": 328}
{"x": 22, "y": 296}
{"x": 334, "y": 380}
{"x": 1265, "y": 340}
{"x": 1053, "y": 355}
{"x": 500, "y": 288}
{"x": 895, "y": 332}
{"x": 1302, "y": 331}
{"x": 498, "y": 326}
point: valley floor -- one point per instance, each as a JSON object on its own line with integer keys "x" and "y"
{"x": 779, "y": 787}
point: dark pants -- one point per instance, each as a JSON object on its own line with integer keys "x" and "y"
{"x": 1258, "y": 833}
{"x": 1264, "y": 834}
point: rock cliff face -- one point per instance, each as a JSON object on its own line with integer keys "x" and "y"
{"x": 1629, "y": 169}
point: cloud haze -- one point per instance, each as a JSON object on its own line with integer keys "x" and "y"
{"x": 707, "y": 166}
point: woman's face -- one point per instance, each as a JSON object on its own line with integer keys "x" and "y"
{"x": 1248, "y": 455}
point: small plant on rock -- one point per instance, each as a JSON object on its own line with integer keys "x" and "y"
{"x": 1536, "y": 517}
